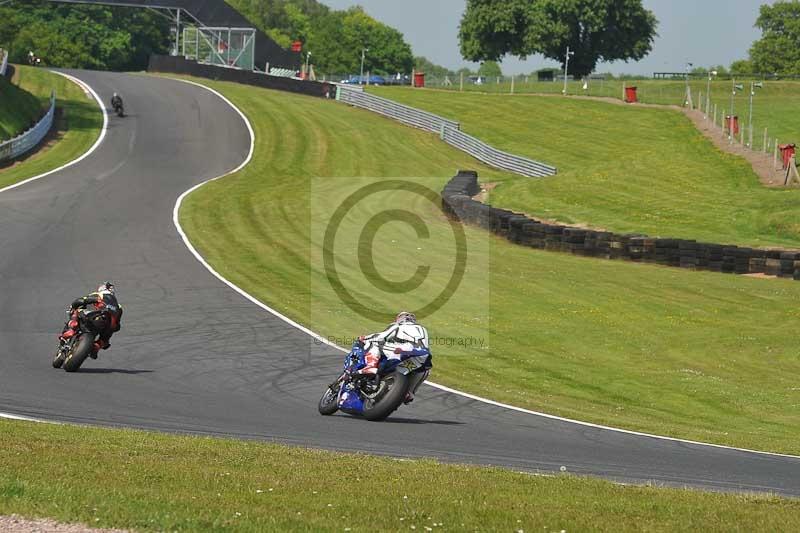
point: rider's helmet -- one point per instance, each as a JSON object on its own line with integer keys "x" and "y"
{"x": 404, "y": 317}
{"x": 106, "y": 286}
{"x": 115, "y": 95}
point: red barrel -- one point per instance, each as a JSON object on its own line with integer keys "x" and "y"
{"x": 732, "y": 124}
{"x": 630, "y": 95}
{"x": 419, "y": 79}
{"x": 787, "y": 152}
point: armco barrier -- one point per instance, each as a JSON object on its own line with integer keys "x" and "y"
{"x": 449, "y": 131}
{"x": 406, "y": 114}
{"x": 457, "y": 202}
{"x": 28, "y": 140}
{"x": 180, "y": 65}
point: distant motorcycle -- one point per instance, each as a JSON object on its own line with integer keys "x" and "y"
{"x": 377, "y": 396}
{"x": 89, "y": 323}
{"x": 119, "y": 108}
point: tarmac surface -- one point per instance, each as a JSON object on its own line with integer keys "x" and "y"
{"x": 194, "y": 356}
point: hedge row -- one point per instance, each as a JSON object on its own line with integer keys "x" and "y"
{"x": 457, "y": 202}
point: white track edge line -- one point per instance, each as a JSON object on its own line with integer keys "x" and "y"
{"x": 83, "y": 85}
{"x": 320, "y": 338}
{"x": 12, "y": 416}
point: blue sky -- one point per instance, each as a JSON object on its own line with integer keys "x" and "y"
{"x": 704, "y": 32}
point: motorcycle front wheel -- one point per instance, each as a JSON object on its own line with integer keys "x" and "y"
{"x": 390, "y": 394}
{"x": 78, "y": 353}
{"x": 329, "y": 403}
{"x": 58, "y": 360}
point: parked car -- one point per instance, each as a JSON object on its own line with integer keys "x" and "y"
{"x": 372, "y": 80}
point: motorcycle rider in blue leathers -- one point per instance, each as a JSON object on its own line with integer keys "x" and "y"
{"x": 404, "y": 335}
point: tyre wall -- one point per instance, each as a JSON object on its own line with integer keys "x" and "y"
{"x": 458, "y": 202}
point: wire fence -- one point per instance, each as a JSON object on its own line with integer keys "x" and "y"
{"x": 448, "y": 130}
{"x": 28, "y": 140}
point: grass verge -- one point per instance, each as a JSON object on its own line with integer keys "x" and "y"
{"x": 153, "y": 482}
{"x": 78, "y": 125}
{"x": 696, "y": 355}
{"x": 630, "y": 170}
{"x": 773, "y": 105}
{"x": 18, "y": 109}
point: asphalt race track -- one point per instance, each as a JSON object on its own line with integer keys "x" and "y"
{"x": 195, "y": 356}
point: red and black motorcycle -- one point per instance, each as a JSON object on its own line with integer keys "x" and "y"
{"x": 78, "y": 341}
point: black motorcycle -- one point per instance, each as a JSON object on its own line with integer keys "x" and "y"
{"x": 73, "y": 351}
{"x": 119, "y": 109}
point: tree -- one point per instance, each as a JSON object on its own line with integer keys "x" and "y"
{"x": 778, "y": 50}
{"x": 595, "y": 30}
{"x": 490, "y": 69}
{"x": 83, "y": 36}
{"x": 742, "y": 66}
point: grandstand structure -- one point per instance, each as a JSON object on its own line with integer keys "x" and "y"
{"x": 213, "y": 32}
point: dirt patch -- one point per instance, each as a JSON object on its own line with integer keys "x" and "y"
{"x": 17, "y": 524}
{"x": 762, "y": 163}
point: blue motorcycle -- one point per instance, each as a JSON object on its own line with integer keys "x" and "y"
{"x": 375, "y": 396}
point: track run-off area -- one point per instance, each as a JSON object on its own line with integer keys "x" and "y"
{"x": 197, "y": 356}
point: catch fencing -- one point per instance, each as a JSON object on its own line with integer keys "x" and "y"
{"x": 28, "y": 140}
{"x": 3, "y": 62}
{"x": 448, "y": 130}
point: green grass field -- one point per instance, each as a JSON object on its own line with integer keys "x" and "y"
{"x": 79, "y": 124}
{"x": 152, "y": 482}
{"x": 630, "y": 170}
{"x": 18, "y": 109}
{"x": 689, "y": 354}
{"x": 774, "y": 105}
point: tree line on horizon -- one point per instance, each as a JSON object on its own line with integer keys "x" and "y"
{"x": 118, "y": 38}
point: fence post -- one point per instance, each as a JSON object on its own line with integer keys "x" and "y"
{"x": 512, "y": 83}
{"x": 775, "y": 155}
{"x": 764, "y": 146}
{"x": 715, "y": 115}
{"x": 700, "y": 102}
{"x": 461, "y": 83}
{"x": 750, "y": 134}
{"x": 441, "y": 131}
{"x": 623, "y": 91}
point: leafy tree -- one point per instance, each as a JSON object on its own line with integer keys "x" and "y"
{"x": 423, "y": 64}
{"x": 595, "y": 30}
{"x": 82, "y": 36}
{"x": 778, "y": 50}
{"x": 742, "y": 66}
{"x": 334, "y": 38}
{"x": 490, "y": 69}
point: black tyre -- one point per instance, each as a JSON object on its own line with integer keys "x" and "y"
{"x": 78, "y": 353}
{"x": 329, "y": 403}
{"x": 58, "y": 360}
{"x": 390, "y": 394}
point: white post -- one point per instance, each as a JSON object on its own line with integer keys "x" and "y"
{"x": 566, "y": 71}
{"x": 512, "y": 83}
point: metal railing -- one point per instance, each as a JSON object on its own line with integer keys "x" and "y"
{"x": 449, "y": 131}
{"x": 3, "y": 62}
{"x": 408, "y": 115}
{"x": 30, "y": 139}
{"x": 494, "y": 157}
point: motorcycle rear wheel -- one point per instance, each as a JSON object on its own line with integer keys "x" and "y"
{"x": 387, "y": 400}
{"x": 78, "y": 353}
{"x": 329, "y": 403}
